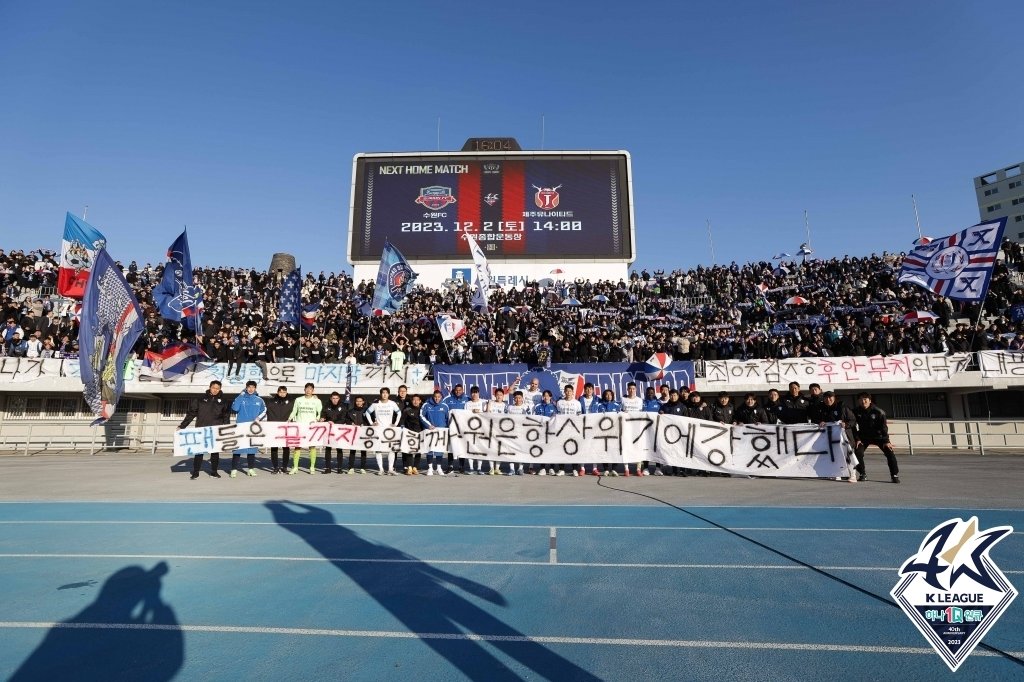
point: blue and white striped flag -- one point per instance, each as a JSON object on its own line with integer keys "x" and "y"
{"x": 958, "y": 266}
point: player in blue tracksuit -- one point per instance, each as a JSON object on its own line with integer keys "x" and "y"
{"x": 609, "y": 405}
{"x": 456, "y": 401}
{"x": 589, "y": 404}
{"x": 651, "y": 404}
{"x": 434, "y": 415}
{"x": 545, "y": 408}
{"x": 250, "y": 408}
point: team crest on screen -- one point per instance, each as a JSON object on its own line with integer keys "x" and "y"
{"x": 952, "y": 590}
{"x": 492, "y": 168}
{"x": 546, "y": 198}
{"x": 491, "y": 199}
{"x": 435, "y": 197}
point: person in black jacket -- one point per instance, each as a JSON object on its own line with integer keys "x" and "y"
{"x": 773, "y": 407}
{"x": 872, "y": 429}
{"x": 335, "y": 412}
{"x": 410, "y": 419}
{"x": 698, "y": 409}
{"x": 233, "y": 354}
{"x": 212, "y": 409}
{"x": 357, "y": 417}
{"x": 829, "y": 411}
{"x": 279, "y": 409}
{"x": 750, "y": 412}
{"x": 795, "y": 406}
{"x": 678, "y": 408}
{"x": 723, "y": 411}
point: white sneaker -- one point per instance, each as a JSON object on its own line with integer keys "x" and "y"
{"x": 440, "y": 472}
{"x": 657, "y": 472}
{"x": 551, "y": 471}
{"x": 575, "y": 473}
{"x": 562, "y": 473}
{"x": 430, "y": 471}
{"x": 542, "y": 472}
{"x": 251, "y": 472}
{"x": 607, "y": 473}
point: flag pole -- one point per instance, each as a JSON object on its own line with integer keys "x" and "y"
{"x": 85, "y": 213}
{"x": 917, "y": 217}
{"x": 446, "y": 351}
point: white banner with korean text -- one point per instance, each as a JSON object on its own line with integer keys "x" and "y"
{"x": 1002, "y": 364}
{"x": 836, "y": 371}
{"x": 799, "y": 451}
{"x": 62, "y": 374}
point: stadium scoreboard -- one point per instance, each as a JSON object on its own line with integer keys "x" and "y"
{"x": 560, "y": 206}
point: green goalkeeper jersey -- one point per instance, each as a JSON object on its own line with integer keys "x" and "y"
{"x": 306, "y": 410}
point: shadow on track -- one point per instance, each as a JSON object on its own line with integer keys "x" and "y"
{"x": 99, "y": 643}
{"x": 422, "y": 597}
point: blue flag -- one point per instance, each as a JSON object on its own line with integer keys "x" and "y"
{"x": 958, "y": 266}
{"x": 394, "y": 280}
{"x": 291, "y": 297}
{"x": 111, "y": 323}
{"x": 176, "y": 296}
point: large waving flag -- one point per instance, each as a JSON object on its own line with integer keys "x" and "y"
{"x": 394, "y": 280}
{"x": 111, "y": 323}
{"x": 77, "y": 253}
{"x": 483, "y": 277}
{"x": 451, "y": 327}
{"x": 958, "y": 266}
{"x": 176, "y": 295}
{"x": 172, "y": 362}
{"x": 291, "y": 297}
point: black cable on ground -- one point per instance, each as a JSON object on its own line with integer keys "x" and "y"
{"x": 787, "y": 557}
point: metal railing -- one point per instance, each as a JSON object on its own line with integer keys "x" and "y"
{"x": 972, "y": 435}
{"x": 31, "y": 438}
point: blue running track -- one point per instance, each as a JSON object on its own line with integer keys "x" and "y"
{"x": 286, "y": 591}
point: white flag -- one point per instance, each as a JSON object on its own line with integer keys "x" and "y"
{"x": 483, "y": 277}
{"x": 451, "y": 327}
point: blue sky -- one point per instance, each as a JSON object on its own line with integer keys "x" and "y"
{"x": 240, "y": 119}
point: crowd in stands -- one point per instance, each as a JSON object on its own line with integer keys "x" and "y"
{"x": 850, "y": 306}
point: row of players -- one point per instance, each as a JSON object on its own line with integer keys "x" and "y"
{"x": 865, "y": 424}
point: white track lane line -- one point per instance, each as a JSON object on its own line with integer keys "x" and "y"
{"x": 397, "y": 634}
{"x": 513, "y": 506}
{"x": 459, "y": 562}
{"x": 465, "y": 525}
